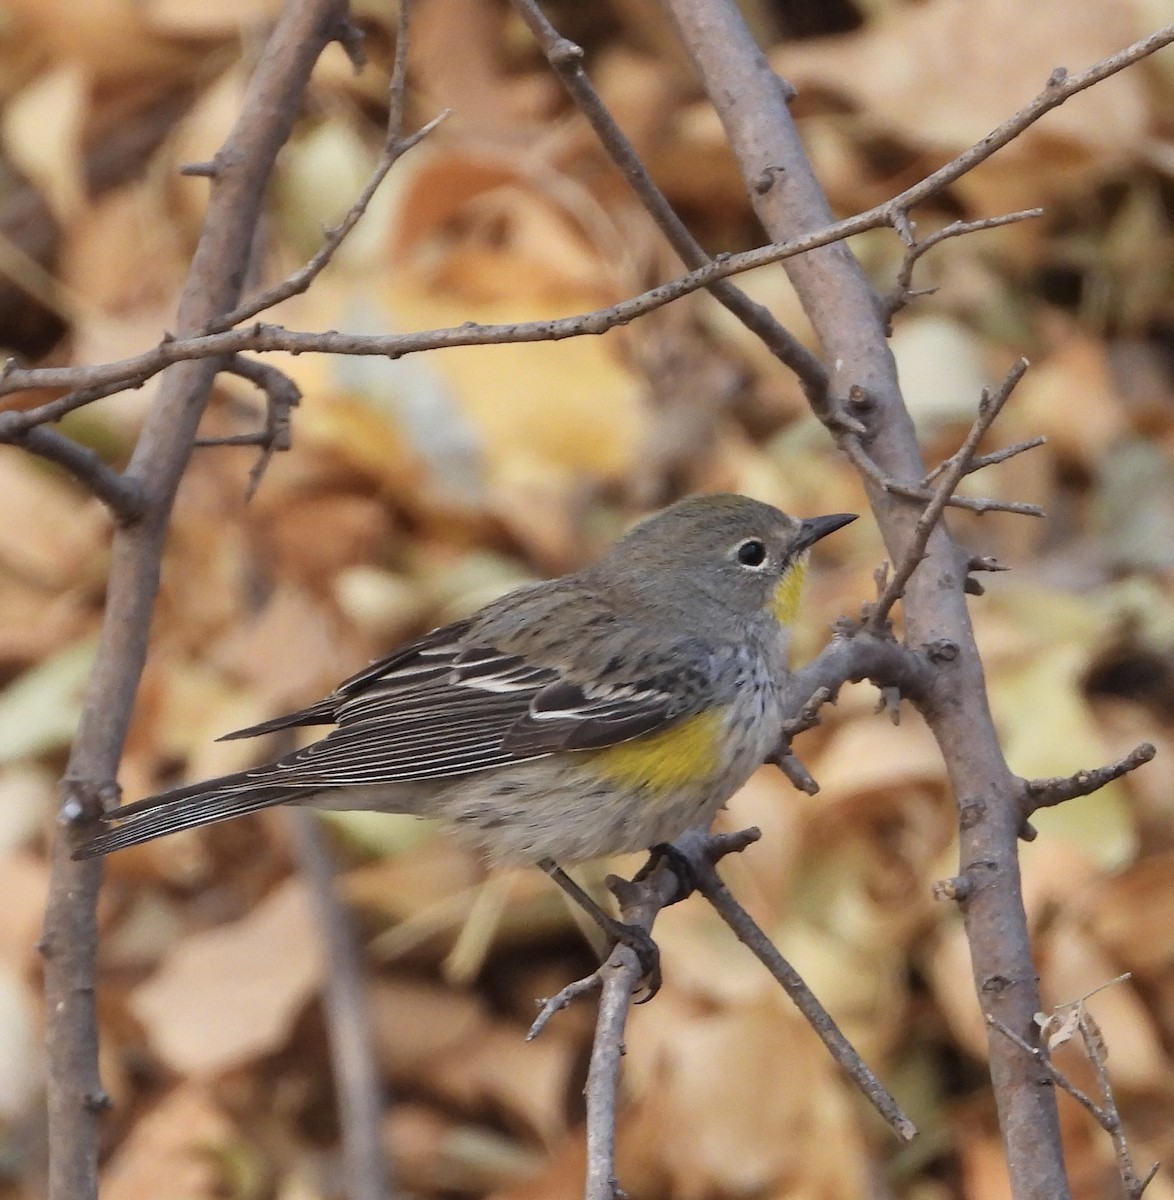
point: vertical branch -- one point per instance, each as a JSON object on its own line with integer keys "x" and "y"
{"x": 751, "y": 101}
{"x": 357, "y": 1087}
{"x": 69, "y": 940}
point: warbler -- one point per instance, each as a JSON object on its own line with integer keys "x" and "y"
{"x": 604, "y": 711}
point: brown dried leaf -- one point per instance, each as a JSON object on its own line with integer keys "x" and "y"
{"x": 1059, "y": 1027}
{"x": 432, "y": 1152}
{"x": 945, "y": 76}
{"x": 447, "y": 1044}
{"x": 229, "y": 995}
{"x": 167, "y": 1150}
{"x": 709, "y": 1114}
{"x": 1072, "y": 965}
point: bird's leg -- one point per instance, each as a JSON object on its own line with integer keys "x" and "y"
{"x": 635, "y": 937}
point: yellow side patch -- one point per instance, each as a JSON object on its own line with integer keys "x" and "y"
{"x": 684, "y": 753}
{"x": 787, "y": 594}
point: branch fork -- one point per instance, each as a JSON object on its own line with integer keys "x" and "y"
{"x": 690, "y": 864}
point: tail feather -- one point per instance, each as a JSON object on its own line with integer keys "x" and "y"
{"x": 186, "y": 808}
{"x": 321, "y": 713}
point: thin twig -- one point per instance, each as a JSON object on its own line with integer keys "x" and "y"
{"x": 395, "y": 145}
{"x": 1044, "y": 793}
{"x": 640, "y": 902}
{"x": 566, "y": 58}
{"x": 264, "y": 338}
{"x": 1106, "y": 1114}
{"x": 358, "y": 1087}
{"x": 989, "y": 460}
{"x": 863, "y": 462}
{"x": 710, "y": 885}
{"x": 903, "y": 290}
{"x": 1094, "y": 1044}
{"x": 989, "y": 407}
{"x": 271, "y": 104}
{"x": 282, "y": 395}
{"x": 122, "y": 495}
{"x": 691, "y": 863}
{"x": 1037, "y": 1054}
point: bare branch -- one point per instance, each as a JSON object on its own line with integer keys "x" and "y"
{"x": 561, "y": 999}
{"x": 989, "y": 408}
{"x": 690, "y": 863}
{"x": 903, "y": 290}
{"x": 868, "y": 468}
{"x": 1106, "y": 1114}
{"x": 797, "y": 773}
{"x": 396, "y": 144}
{"x": 358, "y": 1088}
{"x": 752, "y": 104}
{"x": 69, "y": 939}
{"x": 124, "y": 497}
{"x": 350, "y": 37}
{"x": 1045, "y": 793}
{"x": 281, "y": 396}
{"x": 1037, "y": 1054}
{"x": 989, "y": 460}
{"x": 137, "y": 369}
{"x": 857, "y": 653}
{"x": 567, "y": 60}
{"x": 1061, "y": 86}
{"x": 709, "y": 883}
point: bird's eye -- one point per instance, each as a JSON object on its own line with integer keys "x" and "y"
{"x": 752, "y": 552}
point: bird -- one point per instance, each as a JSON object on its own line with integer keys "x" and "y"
{"x": 600, "y": 712}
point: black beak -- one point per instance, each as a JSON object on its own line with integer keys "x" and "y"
{"x": 814, "y": 528}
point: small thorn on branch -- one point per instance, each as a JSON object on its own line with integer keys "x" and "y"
{"x": 808, "y": 716}
{"x": 861, "y": 399}
{"x": 206, "y": 170}
{"x": 985, "y": 562}
{"x": 1044, "y": 793}
{"x": 797, "y": 773}
{"x": 957, "y": 888}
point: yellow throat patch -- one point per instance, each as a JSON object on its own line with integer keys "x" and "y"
{"x": 785, "y": 605}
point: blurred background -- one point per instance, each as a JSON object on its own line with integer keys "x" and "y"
{"x": 417, "y": 490}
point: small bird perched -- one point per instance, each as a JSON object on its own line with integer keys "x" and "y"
{"x": 601, "y": 712}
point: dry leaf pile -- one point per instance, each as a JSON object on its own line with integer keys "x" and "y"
{"x": 418, "y": 489}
